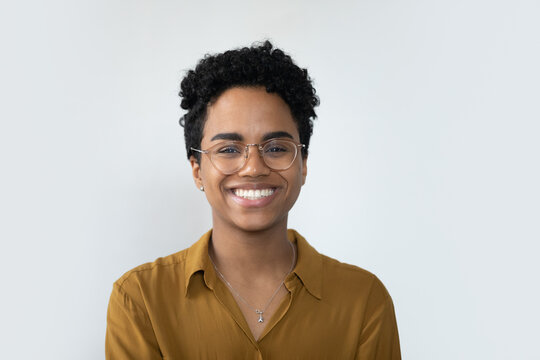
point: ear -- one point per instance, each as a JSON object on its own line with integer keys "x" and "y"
{"x": 196, "y": 171}
{"x": 304, "y": 170}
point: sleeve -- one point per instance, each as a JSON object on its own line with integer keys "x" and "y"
{"x": 129, "y": 331}
{"x": 379, "y": 339}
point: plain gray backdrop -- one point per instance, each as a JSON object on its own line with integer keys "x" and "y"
{"x": 423, "y": 166}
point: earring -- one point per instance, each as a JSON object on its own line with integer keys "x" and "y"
{"x": 201, "y": 188}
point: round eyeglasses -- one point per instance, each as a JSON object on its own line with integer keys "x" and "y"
{"x": 231, "y": 156}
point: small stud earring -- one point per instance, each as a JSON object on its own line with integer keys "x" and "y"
{"x": 201, "y": 188}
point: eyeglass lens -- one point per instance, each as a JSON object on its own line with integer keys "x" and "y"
{"x": 230, "y": 157}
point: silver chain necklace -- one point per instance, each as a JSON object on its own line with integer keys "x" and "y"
{"x": 257, "y": 311}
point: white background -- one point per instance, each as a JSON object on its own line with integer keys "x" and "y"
{"x": 423, "y": 166}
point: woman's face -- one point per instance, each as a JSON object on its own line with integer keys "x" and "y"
{"x": 250, "y": 115}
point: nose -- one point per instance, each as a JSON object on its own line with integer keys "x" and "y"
{"x": 254, "y": 165}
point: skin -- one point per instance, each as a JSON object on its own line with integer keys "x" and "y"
{"x": 249, "y": 240}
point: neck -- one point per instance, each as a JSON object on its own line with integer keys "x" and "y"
{"x": 251, "y": 255}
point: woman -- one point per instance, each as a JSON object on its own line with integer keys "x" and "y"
{"x": 249, "y": 288}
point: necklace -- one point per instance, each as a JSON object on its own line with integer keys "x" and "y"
{"x": 257, "y": 311}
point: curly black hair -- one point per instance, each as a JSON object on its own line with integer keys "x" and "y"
{"x": 258, "y": 65}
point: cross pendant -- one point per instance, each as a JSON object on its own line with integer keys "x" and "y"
{"x": 260, "y": 315}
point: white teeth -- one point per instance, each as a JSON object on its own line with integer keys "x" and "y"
{"x": 253, "y": 194}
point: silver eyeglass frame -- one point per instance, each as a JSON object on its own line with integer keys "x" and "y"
{"x": 260, "y": 148}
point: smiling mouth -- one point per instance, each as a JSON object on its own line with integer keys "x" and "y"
{"x": 252, "y": 194}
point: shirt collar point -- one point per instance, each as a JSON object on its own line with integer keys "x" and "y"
{"x": 309, "y": 264}
{"x": 197, "y": 259}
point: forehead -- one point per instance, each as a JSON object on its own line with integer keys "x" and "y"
{"x": 249, "y": 111}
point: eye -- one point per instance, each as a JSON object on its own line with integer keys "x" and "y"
{"x": 278, "y": 149}
{"x": 275, "y": 149}
{"x": 228, "y": 150}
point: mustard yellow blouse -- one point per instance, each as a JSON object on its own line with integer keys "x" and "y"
{"x": 178, "y": 308}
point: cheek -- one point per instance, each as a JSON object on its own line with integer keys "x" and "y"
{"x": 208, "y": 173}
{"x": 212, "y": 180}
{"x": 294, "y": 180}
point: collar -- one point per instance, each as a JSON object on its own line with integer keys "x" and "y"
{"x": 197, "y": 259}
{"x": 308, "y": 267}
{"x": 309, "y": 264}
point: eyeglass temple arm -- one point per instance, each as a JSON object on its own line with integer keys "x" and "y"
{"x": 200, "y": 151}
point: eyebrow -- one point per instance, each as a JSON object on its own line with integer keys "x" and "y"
{"x": 277, "y": 134}
{"x": 227, "y": 136}
{"x": 238, "y": 137}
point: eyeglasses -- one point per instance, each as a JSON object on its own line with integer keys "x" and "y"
{"x": 231, "y": 156}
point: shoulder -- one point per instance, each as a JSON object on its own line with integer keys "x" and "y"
{"x": 344, "y": 278}
{"x": 336, "y": 280}
{"x": 164, "y": 278}
{"x": 336, "y": 269}
{"x": 162, "y": 268}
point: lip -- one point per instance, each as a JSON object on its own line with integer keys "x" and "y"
{"x": 253, "y": 203}
{"x": 252, "y": 186}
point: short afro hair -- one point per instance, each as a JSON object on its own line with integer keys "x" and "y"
{"x": 258, "y": 65}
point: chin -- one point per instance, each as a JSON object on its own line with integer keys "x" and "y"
{"x": 254, "y": 224}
